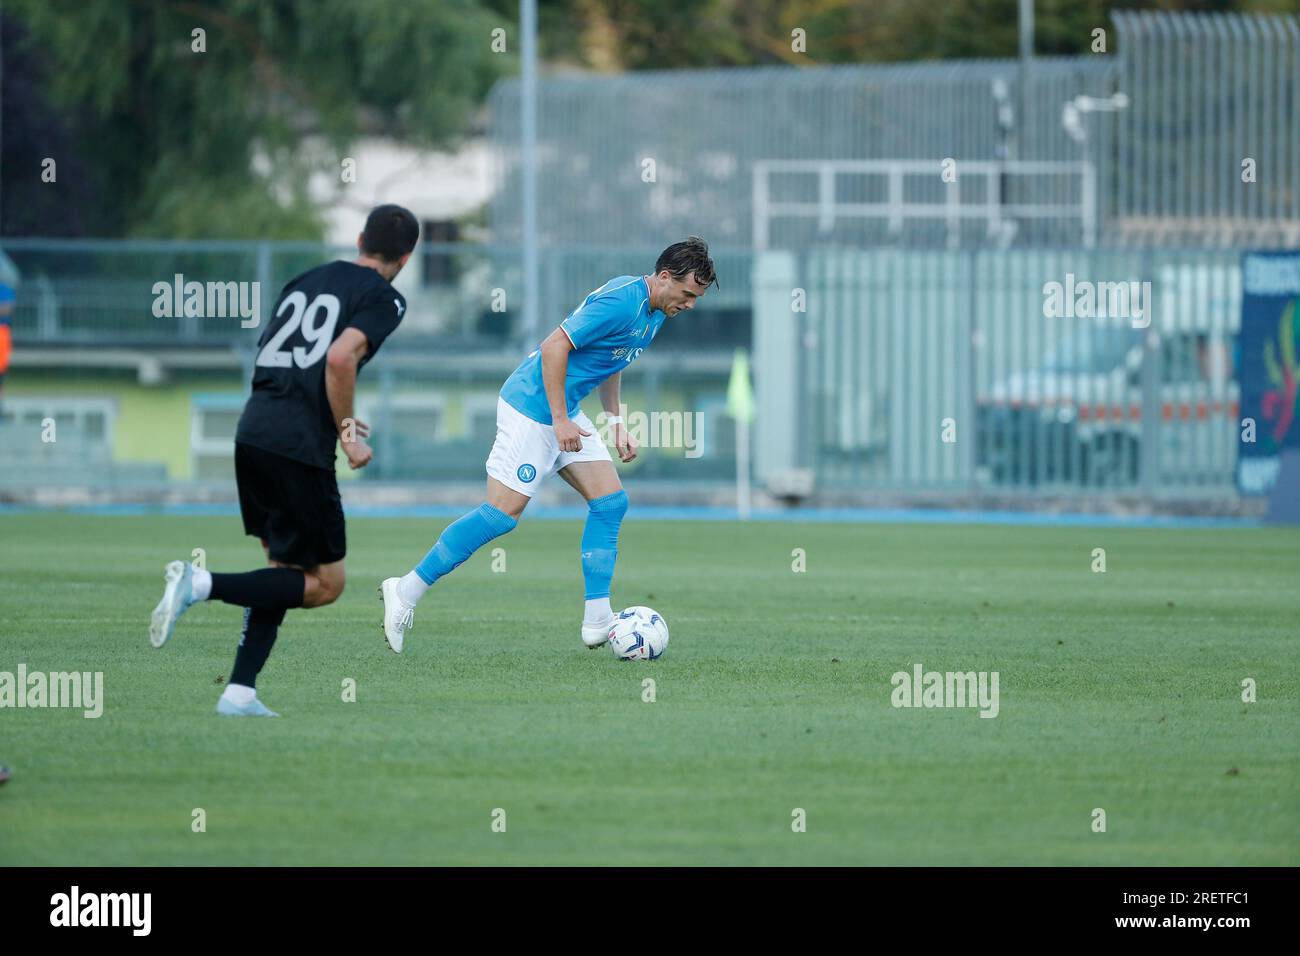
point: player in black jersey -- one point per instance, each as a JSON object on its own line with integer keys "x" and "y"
{"x": 328, "y": 322}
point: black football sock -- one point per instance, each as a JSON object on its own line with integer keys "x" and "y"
{"x": 266, "y": 588}
{"x": 260, "y": 628}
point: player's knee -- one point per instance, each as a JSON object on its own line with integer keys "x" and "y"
{"x": 334, "y": 587}
{"x": 614, "y": 505}
{"x": 323, "y": 589}
{"x": 321, "y": 597}
{"x": 514, "y": 509}
{"x": 507, "y": 500}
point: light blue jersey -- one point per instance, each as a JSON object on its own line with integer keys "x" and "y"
{"x": 609, "y": 331}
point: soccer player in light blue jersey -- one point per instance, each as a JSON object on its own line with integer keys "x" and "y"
{"x": 541, "y": 429}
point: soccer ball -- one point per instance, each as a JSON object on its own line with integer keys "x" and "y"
{"x": 638, "y": 634}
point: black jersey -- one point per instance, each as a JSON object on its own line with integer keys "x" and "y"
{"x": 289, "y": 413}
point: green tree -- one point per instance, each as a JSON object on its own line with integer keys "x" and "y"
{"x": 221, "y": 143}
{"x": 679, "y": 34}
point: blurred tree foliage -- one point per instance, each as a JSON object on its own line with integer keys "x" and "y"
{"x": 155, "y": 139}
{"x": 672, "y": 34}
{"x": 178, "y": 143}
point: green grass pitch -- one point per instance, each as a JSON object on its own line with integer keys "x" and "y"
{"x": 1120, "y": 691}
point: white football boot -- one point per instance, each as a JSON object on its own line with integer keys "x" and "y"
{"x": 254, "y": 708}
{"x": 178, "y": 595}
{"x": 594, "y": 635}
{"x": 398, "y": 615}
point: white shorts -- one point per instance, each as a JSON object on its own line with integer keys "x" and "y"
{"x": 526, "y": 451}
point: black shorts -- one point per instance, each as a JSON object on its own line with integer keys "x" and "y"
{"x": 293, "y": 507}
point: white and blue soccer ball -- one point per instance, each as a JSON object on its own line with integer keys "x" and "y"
{"x": 638, "y": 634}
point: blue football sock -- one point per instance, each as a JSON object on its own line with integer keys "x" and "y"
{"x": 600, "y": 542}
{"x": 462, "y": 538}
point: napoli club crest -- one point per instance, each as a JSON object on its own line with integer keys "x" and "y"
{"x": 526, "y": 473}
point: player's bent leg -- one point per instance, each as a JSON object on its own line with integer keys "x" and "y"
{"x": 607, "y": 503}
{"x": 457, "y": 542}
{"x": 521, "y": 457}
{"x": 322, "y": 584}
{"x": 274, "y": 588}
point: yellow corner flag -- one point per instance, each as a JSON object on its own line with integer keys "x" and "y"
{"x": 740, "y": 393}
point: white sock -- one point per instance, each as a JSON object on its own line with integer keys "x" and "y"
{"x": 411, "y": 588}
{"x": 598, "y": 612}
{"x": 201, "y": 584}
{"x": 238, "y": 694}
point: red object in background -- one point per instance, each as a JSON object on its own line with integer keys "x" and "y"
{"x": 1288, "y": 404}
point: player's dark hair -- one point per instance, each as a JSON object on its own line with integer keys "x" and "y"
{"x": 390, "y": 233}
{"x": 683, "y": 258}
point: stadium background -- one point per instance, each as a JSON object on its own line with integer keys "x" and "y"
{"x": 922, "y": 300}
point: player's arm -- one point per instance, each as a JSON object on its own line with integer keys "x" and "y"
{"x": 555, "y": 366}
{"x": 341, "y": 364}
{"x": 609, "y": 399}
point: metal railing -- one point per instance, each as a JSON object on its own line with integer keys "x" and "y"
{"x": 987, "y": 204}
{"x": 103, "y": 293}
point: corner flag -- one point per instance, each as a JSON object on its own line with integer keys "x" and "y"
{"x": 740, "y": 393}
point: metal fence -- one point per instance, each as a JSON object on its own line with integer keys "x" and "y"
{"x": 913, "y": 370}
{"x": 605, "y": 173}
{"x": 1202, "y": 94}
{"x": 1209, "y": 147}
{"x": 136, "y": 292}
{"x": 107, "y": 292}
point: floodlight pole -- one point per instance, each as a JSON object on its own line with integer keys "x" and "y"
{"x": 1026, "y": 30}
{"x": 528, "y": 163}
{"x": 1026, "y": 57}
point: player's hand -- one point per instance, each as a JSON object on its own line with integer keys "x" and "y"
{"x": 624, "y": 442}
{"x": 358, "y": 452}
{"x": 569, "y": 435}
